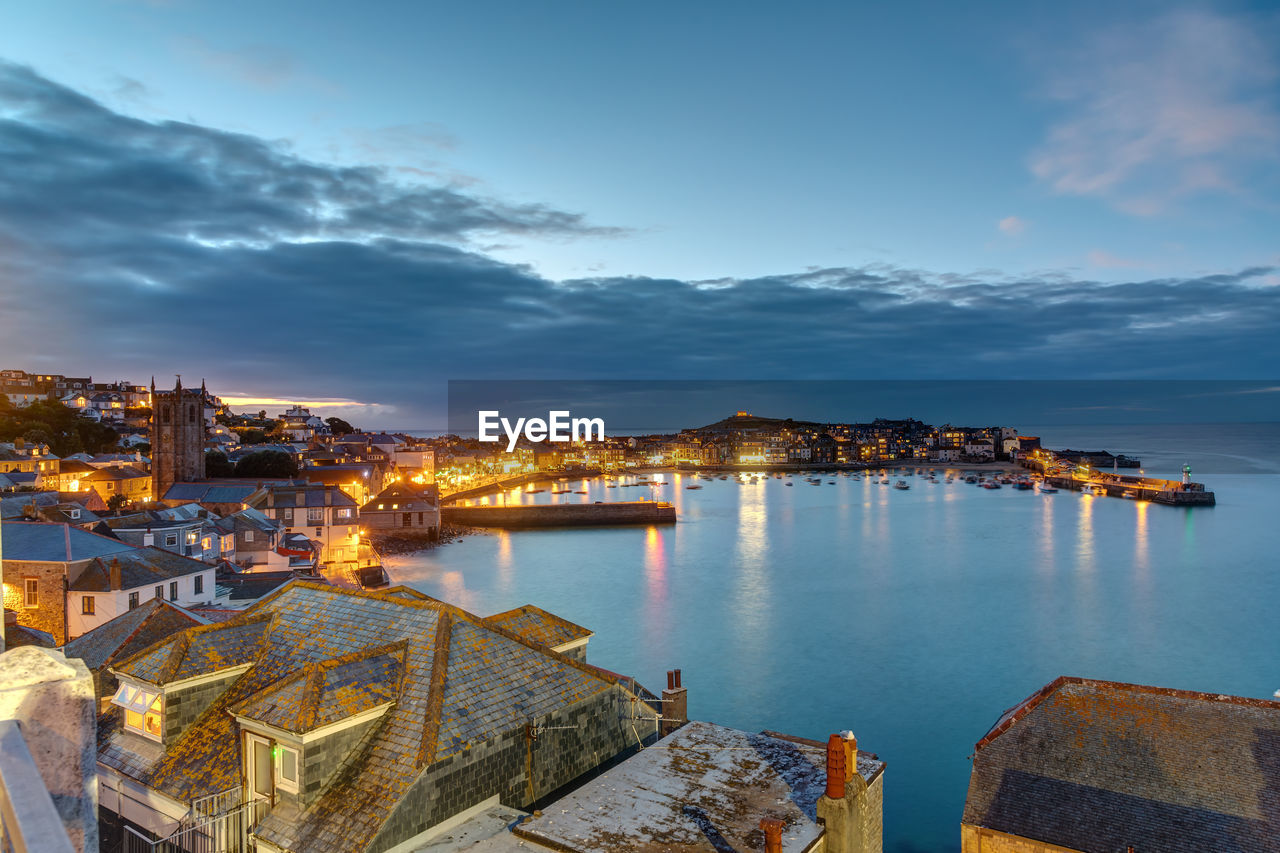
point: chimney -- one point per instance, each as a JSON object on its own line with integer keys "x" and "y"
{"x": 116, "y": 582}
{"x": 772, "y": 829}
{"x": 675, "y": 704}
{"x": 847, "y": 818}
{"x": 836, "y": 778}
{"x": 850, "y": 755}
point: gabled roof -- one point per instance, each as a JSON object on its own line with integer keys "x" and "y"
{"x": 56, "y": 543}
{"x": 1098, "y": 765}
{"x": 466, "y": 680}
{"x": 131, "y": 631}
{"x": 115, "y": 472}
{"x": 536, "y": 624}
{"x": 200, "y": 651}
{"x": 405, "y": 495}
{"x": 139, "y": 567}
{"x": 329, "y": 691}
{"x": 218, "y": 493}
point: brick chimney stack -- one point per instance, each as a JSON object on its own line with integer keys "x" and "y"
{"x": 675, "y": 704}
{"x": 772, "y": 828}
{"x": 845, "y": 810}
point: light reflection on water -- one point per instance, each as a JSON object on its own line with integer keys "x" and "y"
{"x": 914, "y": 617}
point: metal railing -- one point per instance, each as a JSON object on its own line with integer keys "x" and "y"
{"x": 30, "y": 822}
{"x": 226, "y": 832}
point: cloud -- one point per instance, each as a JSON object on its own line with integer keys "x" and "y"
{"x": 1012, "y": 225}
{"x": 1181, "y": 107}
{"x": 261, "y": 66}
{"x": 131, "y": 248}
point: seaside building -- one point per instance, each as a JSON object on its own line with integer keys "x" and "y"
{"x": 404, "y": 508}
{"x": 1089, "y": 766}
{"x": 324, "y": 719}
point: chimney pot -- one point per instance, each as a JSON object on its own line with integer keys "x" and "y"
{"x": 835, "y": 767}
{"x": 671, "y": 679}
{"x": 772, "y": 828}
{"x": 678, "y": 684}
{"x": 850, "y": 755}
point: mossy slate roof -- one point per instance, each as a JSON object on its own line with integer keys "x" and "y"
{"x": 463, "y": 681}
{"x": 131, "y": 631}
{"x": 534, "y": 623}
{"x": 1100, "y": 766}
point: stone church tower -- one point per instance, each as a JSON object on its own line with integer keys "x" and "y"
{"x": 177, "y": 437}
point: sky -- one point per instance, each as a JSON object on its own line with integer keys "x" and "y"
{"x": 351, "y": 207}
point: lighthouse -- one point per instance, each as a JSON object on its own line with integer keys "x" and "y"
{"x": 1186, "y": 474}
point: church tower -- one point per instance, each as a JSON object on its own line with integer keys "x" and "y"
{"x": 177, "y": 437}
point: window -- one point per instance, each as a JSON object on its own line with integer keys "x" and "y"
{"x": 160, "y": 592}
{"x": 143, "y": 710}
{"x": 86, "y": 605}
{"x": 315, "y": 513}
{"x": 248, "y": 536}
{"x": 288, "y": 513}
{"x": 133, "y": 600}
{"x": 30, "y": 598}
{"x": 206, "y": 543}
{"x": 173, "y": 590}
{"x": 171, "y": 539}
{"x": 345, "y": 512}
{"x": 199, "y": 584}
{"x": 75, "y": 513}
{"x": 192, "y": 536}
{"x": 286, "y": 761}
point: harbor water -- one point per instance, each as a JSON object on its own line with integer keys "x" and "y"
{"x": 912, "y": 616}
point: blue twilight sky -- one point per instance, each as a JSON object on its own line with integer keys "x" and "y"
{"x": 427, "y": 191}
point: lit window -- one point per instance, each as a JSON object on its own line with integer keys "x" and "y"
{"x": 286, "y": 768}
{"x": 86, "y": 605}
{"x": 315, "y": 513}
{"x": 31, "y": 597}
{"x": 143, "y": 710}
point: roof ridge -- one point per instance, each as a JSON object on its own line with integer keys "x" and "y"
{"x": 1026, "y": 706}
{"x": 560, "y": 620}
{"x": 435, "y": 694}
{"x": 310, "y": 711}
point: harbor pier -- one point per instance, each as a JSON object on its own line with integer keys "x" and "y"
{"x": 561, "y": 515}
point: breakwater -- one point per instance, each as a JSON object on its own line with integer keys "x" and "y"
{"x": 562, "y": 515}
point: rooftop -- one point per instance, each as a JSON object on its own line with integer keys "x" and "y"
{"x": 536, "y": 624}
{"x": 130, "y": 632}
{"x": 702, "y": 788}
{"x": 1099, "y": 765}
{"x": 139, "y": 567}
{"x": 465, "y": 681}
{"x": 56, "y": 543}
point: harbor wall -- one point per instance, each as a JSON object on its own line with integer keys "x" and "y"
{"x": 561, "y": 515}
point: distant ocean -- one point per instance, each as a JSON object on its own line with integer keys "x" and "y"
{"x": 911, "y": 617}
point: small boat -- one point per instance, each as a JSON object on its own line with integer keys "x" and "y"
{"x": 535, "y": 491}
{"x": 788, "y": 483}
{"x": 1129, "y": 494}
{"x": 693, "y": 487}
{"x": 901, "y": 484}
{"x": 884, "y": 482}
{"x": 1022, "y": 485}
{"x": 580, "y": 493}
{"x": 992, "y": 484}
{"x": 831, "y": 482}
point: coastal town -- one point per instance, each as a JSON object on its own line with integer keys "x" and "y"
{"x": 198, "y": 615}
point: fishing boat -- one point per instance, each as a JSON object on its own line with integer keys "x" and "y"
{"x": 693, "y": 487}
{"x": 1047, "y": 490}
{"x": 901, "y": 484}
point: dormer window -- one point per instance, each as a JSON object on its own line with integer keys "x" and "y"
{"x": 143, "y": 710}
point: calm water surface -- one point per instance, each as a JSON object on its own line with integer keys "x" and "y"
{"x": 911, "y": 617}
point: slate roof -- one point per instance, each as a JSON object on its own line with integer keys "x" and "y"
{"x": 300, "y": 496}
{"x": 14, "y": 506}
{"x": 131, "y": 631}
{"x": 409, "y": 499}
{"x": 200, "y": 651}
{"x": 56, "y": 543}
{"x": 138, "y": 567}
{"x": 329, "y": 691}
{"x": 1098, "y": 766}
{"x": 536, "y": 624}
{"x": 115, "y": 472}
{"x": 215, "y": 493}
{"x": 465, "y": 680}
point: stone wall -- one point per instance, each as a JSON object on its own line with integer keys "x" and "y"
{"x": 560, "y": 515}
{"x": 52, "y": 700}
{"x": 518, "y": 770}
{"x": 977, "y": 839}
{"x": 50, "y": 615}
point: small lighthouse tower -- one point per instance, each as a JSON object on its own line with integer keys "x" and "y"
{"x": 1186, "y": 474}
